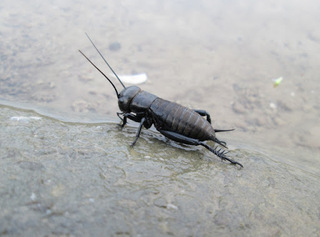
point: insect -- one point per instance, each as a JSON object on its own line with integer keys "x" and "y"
{"x": 173, "y": 120}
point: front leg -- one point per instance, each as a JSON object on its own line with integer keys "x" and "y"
{"x": 134, "y": 117}
{"x": 123, "y": 119}
{"x": 139, "y": 131}
{"x": 139, "y": 118}
{"x": 147, "y": 123}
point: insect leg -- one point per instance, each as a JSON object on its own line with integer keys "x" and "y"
{"x": 134, "y": 117}
{"x": 203, "y": 113}
{"x": 220, "y": 153}
{"x": 221, "y": 143}
{"x": 191, "y": 141}
{"x": 139, "y": 131}
{"x": 123, "y": 120}
{"x": 179, "y": 138}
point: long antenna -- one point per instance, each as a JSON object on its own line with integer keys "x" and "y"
{"x": 100, "y": 72}
{"x": 105, "y": 60}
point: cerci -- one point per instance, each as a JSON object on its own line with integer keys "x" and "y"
{"x": 173, "y": 120}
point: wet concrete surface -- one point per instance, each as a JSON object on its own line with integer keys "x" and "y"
{"x": 71, "y": 179}
{"x": 68, "y": 170}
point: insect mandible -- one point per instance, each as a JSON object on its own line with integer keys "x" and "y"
{"x": 173, "y": 120}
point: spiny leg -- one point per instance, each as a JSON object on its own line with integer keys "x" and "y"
{"x": 191, "y": 141}
{"x": 220, "y": 154}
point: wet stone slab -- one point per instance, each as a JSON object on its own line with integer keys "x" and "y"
{"x": 74, "y": 179}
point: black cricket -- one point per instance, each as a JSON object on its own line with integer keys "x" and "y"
{"x": 174, "y": 121}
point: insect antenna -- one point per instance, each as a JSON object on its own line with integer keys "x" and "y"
{"x": 101, "y": 73}
{"x": 105, "y": 60}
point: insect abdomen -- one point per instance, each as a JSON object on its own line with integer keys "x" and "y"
{"x": 173, "y": 117}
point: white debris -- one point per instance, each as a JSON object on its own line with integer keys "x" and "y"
{"x": 134, "y": 79}
{"x": 273, "y": 105}
{"x": 171, "y": 206}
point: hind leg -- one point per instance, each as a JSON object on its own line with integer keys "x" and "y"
{"x": 203, "y": 113}
{"x": 191, "y": 141}
{"x": 220, "y": 153}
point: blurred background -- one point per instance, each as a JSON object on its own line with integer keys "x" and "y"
{"x": 221, "y": 56}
